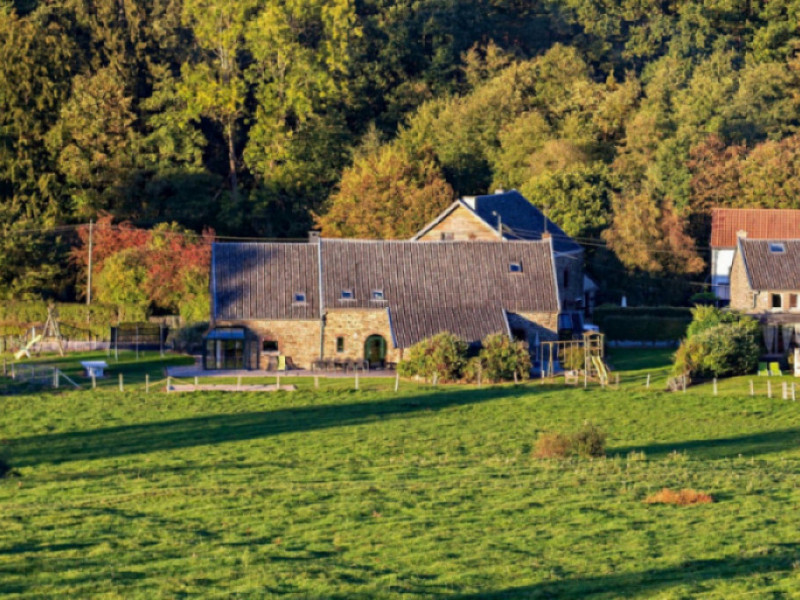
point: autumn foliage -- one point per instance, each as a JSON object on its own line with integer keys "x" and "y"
{"x": 165, "y": 267}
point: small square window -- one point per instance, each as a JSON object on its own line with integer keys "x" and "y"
{"x": 378, "y": 295}
{"x": 777, "y": 247}
{"x": 299, "y": 297}
{"x": 347, "y": 295}
{"x": 776, "y": 301}
{"x": 446, "y": 236}
{"x": 515, "y": 267}
{"x": 269, "y": 346}
{"x": 340, "y": 344}
{"x": 793, "y": 301}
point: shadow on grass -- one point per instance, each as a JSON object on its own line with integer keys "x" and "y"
{"x": 754, "y": 444}
{"x": 185, "y": 433}
{"x": 647, "y": 583}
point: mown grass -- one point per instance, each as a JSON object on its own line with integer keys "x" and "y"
{"x": 432, "y": 492}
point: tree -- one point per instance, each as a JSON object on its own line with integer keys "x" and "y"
{"x": 122, "y": 278}
{"x": 577, "y": 199}
{"x": 387, "y": 195}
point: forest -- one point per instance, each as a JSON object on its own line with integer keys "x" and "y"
{"x": 626, "y": 120}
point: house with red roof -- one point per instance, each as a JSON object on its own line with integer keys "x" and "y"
{"x": 757, "y": 224}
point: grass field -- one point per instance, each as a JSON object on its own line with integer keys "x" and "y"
{"x": 432, "y": 492}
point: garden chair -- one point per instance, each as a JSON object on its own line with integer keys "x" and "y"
{"x": 762, "y": 369}
{"x": 775, "y": 369}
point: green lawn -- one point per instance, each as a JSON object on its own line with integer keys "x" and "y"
{"x": 428, "y": 493}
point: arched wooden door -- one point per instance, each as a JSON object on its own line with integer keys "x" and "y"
{"x": 375, "y": 350}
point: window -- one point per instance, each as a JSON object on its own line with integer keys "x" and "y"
{"x": 269, "y": 346}
{"x": 566, "y": 277}
{"x": 777, "y": 247}
{"x": 519, "y": 335}
{"x": 446, "y": 236}
{"x": 340, "y": 344}
{"x": 378, "y": 295}
{"x": 793, "y": 301}
{"x": 299, "y": 297}
{"x": 515, "y": 268}
{"x": 347, "y": 295}
{"x": 776, "y": 301}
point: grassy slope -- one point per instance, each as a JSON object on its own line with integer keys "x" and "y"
{"x": 343, "y": 494}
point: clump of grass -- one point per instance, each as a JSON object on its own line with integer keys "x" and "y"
{"x": 587, "y": 442}
{"x": 685, "y": 497}
{"x": 553, "y": 445}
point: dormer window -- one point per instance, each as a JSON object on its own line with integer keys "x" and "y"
{"x": 347, "y": 295}
{"x": 299, "y": 297}
{"x": 515, "y": 267}
{"x": 378, "y": 295}
{"x": 777, "y": 247}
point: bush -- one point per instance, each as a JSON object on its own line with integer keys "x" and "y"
{"x": 587, "y": 442}
{"x": 189, "y": 339}
{"x": 553, "y": 445}
{"x": 719, "y": 344}
{"x": 703, "y": 298}
{"x": 502, "y": 357}
{"x": 574, "y": 358}
{"x": 684, "y": 497}
{"x": 443, "y": 355}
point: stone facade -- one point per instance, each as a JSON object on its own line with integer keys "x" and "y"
{"x": 740, "y": 291}
{"x": 461, "y": 225}
{"x": 298, "y": 340}
{"x": 569, "y": 274}
{"x": 354, "y": 326}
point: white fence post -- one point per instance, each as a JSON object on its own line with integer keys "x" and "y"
{"x": 147, "y": 383}
{"x": 397, "y": 381}
{"x": 121, "y": 385}
{"x": 752, "y": 389}
{"x": 715, "y": 386}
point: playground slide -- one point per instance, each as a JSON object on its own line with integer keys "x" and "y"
{"x": 601, "y": 368}
{"x": 26, "y": 351}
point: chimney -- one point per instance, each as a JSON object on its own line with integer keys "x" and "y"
{"x": 546, "y": 235}
{"x": 314, "y": 237}
{"x": 741, "y": 234}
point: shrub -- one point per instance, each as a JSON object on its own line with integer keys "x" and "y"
{"x": 684, "y": 497}
{"x": 573, "y": 358}
{"x": 502, "y": 357}
{"x": 703, "y": 298}
{"x": 443, "y": 355}
{"x": 553, "y": 445}
{"x": 589, "y": 442}
{"x": 189, "y": 338}
{"x": 719, "y": 346}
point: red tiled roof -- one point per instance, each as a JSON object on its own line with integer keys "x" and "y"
{"x": 759, "y": 223}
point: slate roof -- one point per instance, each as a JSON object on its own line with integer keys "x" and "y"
{"x": 767, "y": 270}
{"x": 461, "y": 287}
{"x": 521, "y": 220}
{"x": 258, "y": 281}
{"x": 759, "y": 223}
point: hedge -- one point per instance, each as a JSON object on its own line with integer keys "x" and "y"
{"x": 96, "y": 319}
{"x": 644, "y": 329}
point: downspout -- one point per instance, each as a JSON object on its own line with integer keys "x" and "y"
{"x": 321, "y": 302}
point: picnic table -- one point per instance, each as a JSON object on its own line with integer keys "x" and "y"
{"x": 94, "y": 368}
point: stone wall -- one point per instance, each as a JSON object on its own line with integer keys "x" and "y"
{"x": 355, "y": 326}
{"x": 571, "y": 294}
{"x": 296, "y": 339}
{"x": 463, "y": 225}
{"x": 741, "y": 293}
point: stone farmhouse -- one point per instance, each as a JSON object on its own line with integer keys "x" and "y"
{"x": 508, "y": 215}
{"x": 354, "y": 300}
{"x": 765, "y": 282}
{"x": 758, "y": 224}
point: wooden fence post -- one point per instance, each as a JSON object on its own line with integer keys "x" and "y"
{"x": 648, "y": 381}
{"x": 169, "y": 383}
{"x": 121, "y": 385}
{"x": 55, "y": 378}
{"x": 683, "y": 380}
{"x": 356, "y": 371}
{"x": 147, "y": 383}
{"x": 784, "y": 391}
{"x": 195, "y": 383}
{"x": 435, "y": 379}
{"x": 752, "y": 389}
{"x": 278, "y": 383}
{"x": 616, "y": 379}
{"x": 94, "y": 380}
{"x": 769, "y": 389}
{"x": 515, "y": 378}
{"x": 794, "y": 398}
{"x": 239, "y": 383}
{"x": 316, "y": 382}
{"x": 396, "y": 381}
{"x": 715, "y": 386}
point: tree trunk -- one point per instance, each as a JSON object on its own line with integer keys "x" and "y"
{"x": 232, "y": 164}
